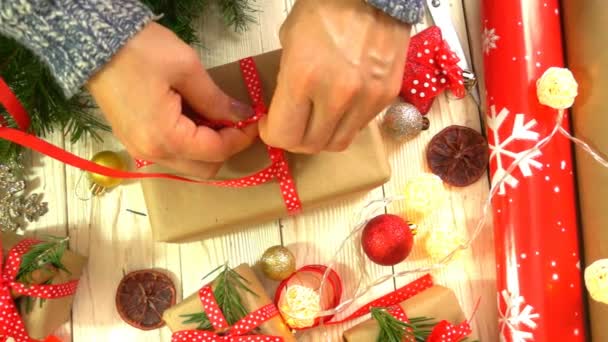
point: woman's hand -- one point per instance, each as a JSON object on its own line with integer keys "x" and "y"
{"x": 142, "y": 90}
{"x": 342, "y": 64}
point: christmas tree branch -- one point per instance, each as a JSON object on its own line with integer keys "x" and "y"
{"x": 43, "y": 99}
{"x": 225, "y": 291}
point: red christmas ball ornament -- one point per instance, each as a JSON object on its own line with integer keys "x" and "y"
{"x": 387, "y": 239}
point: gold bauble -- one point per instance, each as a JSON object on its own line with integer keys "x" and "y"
{"x": 596, "y": 280}
{"x": 278, "y": 263}
{"x": 100, "y": 182}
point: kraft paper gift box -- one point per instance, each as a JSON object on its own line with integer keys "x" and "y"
{"x": 44, "y": 319}
{"x": 175, "y": 320}
{"x": 436, "y": 302}
{"x": 180, "y": 211}
{"x": 587, "y": 55}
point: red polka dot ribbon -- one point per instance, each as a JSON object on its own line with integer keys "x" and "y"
{"x": 223, "y": 332}
{"x": 431, "y": 67}
{"x": 442, "y": 332}
{"x": 11, "y": 324}
{"x": 278, "y": 169}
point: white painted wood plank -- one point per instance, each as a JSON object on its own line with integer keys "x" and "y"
{"x": 47, "y": 176}
{"x": 116, "y": 242}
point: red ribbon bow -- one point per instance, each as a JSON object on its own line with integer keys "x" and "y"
{"x": 431, "y": 67}
{"x": 238, "y": 332}
{"x": 11, "y": 324}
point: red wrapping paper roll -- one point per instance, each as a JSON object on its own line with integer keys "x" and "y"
{"x": 537, "y": 242}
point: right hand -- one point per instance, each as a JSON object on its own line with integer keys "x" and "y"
{"x": 141, "y": 91}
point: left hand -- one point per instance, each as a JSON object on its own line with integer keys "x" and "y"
{"x": 342, "y": 63}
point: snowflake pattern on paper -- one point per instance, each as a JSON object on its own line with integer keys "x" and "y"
{"x": 521, "y": 131}
{"x": 514, "y": 318}
{"x": 489, "y": 39}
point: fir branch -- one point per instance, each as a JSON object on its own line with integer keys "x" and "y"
{"x": 394, "y": 330}
{"x": 225, "y": 291}
{"x": 43, "y": 99}
{"x": 237, "y": 13}
{"x": 48, "y": 252}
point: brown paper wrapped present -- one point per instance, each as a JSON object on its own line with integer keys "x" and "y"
{"x": 44, "y": 319}
{"x": 587, "y": 55}
{"x": 183, "y": 212}
{"x": 436, "y": 302}
{"x": 174, "y": 319}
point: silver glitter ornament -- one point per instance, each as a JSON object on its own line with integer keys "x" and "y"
{"x": 403, "y": 121}
{"x": 17, "y": 208}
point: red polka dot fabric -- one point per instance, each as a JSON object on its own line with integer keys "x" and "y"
{"x": 279, "y": 167}
{"x": 431, "y": 67}
{"x": 236, "y": 332}
{"x": 444, "y": 331}
{"x": 11, "y": 324}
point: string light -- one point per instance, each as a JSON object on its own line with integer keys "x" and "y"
{"x": 596, "y": 280}
{"x": 550, "y": 92}
{"x": 441, "y": 241}
{"x": 423, "y": 195}
{"x": 300, "y": 306}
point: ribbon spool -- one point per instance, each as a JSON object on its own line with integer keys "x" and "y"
{"x": 310, "y": 277}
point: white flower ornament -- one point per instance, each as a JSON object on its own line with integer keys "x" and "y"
{"x": 557, "y": 88}
{"x": 596, "y": 280}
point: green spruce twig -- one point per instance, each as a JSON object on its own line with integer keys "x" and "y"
{"x": 48, "y": 252}
{"x": 43, "y": 99}
{"x": 226, "y": 292}
{"x": 393, "y": 330}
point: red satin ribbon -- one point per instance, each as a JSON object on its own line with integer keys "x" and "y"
{"x": 278, "y": 169}
{"x": 238, "y": 332}
{"x": 431, "y": 67}
{"x": 11, "y": 324}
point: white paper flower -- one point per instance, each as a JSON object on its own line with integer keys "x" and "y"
{"x": 596, "y": 280}
{"x": 557, "y": 88}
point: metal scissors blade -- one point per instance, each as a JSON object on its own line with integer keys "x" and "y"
{"x": 440, "y": 12}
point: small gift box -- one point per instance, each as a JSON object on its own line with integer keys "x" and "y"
{"x": 51, "y": 290}
{"x": 435, "y": 303}
{"x": 195, "y": 211}
{"x": 200, "y": 317}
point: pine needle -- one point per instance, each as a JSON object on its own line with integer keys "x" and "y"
{"x": 47, "y": 252}
{"x": 225, "y": 291}
{"x": 393, "y": 330}
{"x": 43, "y": 99}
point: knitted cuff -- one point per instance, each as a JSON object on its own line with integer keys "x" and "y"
{"x": 407, "y": 11}
{"x": 74, "y": 38}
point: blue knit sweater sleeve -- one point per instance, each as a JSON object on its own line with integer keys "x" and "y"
{"x": 408, "y": 11}
{"x": 74, "y": 38}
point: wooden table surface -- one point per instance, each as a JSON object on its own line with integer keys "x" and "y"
{"x": 117, "y": 241}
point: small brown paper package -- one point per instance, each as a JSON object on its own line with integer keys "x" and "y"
{"x": 585, "y": 31}
{"x": 182, "y": 212}
{"x": 44, "y": 319}
{"x": 273, "y": 327}
{"x": 436, "y": 302}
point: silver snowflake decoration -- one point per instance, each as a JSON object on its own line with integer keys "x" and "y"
{"x": 17, "y": 208}
{"x": 489, "y": 39}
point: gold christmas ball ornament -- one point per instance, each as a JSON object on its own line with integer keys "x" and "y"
{"x": 100, "y": 183}
{"x": 403, "y": 121}
{"x": 278, "y": 263}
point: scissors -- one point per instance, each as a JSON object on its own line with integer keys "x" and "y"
{"x": 440, "y": 12}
